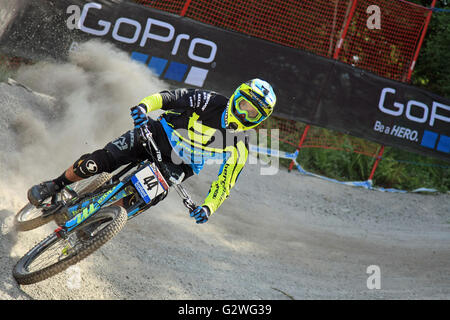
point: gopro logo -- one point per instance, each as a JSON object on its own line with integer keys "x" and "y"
{"x": 143, "y": 35}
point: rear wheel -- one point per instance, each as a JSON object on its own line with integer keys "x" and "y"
{"x": 90, "y": 185}
{"x": 54, "y": 254}
{"x": 30, "y": 217}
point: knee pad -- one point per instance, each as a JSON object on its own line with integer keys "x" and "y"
{"x": 93, "y": 163}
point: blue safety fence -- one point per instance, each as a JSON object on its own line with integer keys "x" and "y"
{"x": 440, "y": 10}
{"x": 273, "y": 152}
{"x": 364, "y": 184}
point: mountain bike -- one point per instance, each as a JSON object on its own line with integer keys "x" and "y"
{"x": 89, "y": 218}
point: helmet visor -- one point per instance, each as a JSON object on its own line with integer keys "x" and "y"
{"x": 246, "y": 112}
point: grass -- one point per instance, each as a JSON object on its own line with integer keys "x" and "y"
{"x": 398, "y": 169}
{"x": 392, "y": 172}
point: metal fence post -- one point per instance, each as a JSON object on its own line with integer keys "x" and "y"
{"x": 305, "y": 133}
{"x": 185, "y": 8}
{"x": 422, "y": 37}
{"x": 377, "y": 161}
{"x": 344, "y": 32}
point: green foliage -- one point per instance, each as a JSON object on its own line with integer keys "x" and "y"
{"x": 433, "y": 65}
{"x": 336, "y": 164}
{"x": 398, "y": 169}
{"x": 401, "y": 169}
{"x": 392, "y": 172}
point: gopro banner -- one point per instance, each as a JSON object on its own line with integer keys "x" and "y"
{"x": 385, "y": 111}
{"x": 186, "y": 53}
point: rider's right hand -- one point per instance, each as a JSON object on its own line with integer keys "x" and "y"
{"x": 200, "y": 214}
{"x": 138, "y": 113}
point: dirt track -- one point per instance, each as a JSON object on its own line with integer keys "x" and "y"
{"x": 286, "y": 236}
{"x": 311, "y": 240}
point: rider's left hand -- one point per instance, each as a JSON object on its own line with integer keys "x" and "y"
{"x": 201, "y": 214}
{"x": 139, "y": 116}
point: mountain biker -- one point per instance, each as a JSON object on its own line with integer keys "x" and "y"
{"x": 197, "y": 125}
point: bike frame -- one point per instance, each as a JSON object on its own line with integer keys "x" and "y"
{"x": 127, "y": 186}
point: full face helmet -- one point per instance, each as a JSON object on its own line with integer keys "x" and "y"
{"x": 251, "y": 104}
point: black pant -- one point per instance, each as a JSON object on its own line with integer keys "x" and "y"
{"x": 127, "y": 149}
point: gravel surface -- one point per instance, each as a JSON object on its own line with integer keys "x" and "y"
{"x": 277, "y": 237}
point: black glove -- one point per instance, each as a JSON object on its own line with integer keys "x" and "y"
{"x": 139, "y": 115}
{"x": 201, "y": 214}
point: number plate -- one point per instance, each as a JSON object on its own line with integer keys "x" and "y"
{"x": 150, "y": 183}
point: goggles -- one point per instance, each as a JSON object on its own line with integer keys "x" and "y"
{"x": 245, "y": 109}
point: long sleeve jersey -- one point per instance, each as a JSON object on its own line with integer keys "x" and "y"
{"x": 194, "y": 121}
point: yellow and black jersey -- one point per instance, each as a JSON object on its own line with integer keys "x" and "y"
{"x": 195, "y": 126}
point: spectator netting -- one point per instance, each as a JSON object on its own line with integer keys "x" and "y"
{"x": 339, "y": 29}
{"x": 293, "y": 23}
{"x": 172, "y": 6}
{"x": 291, "y": 133}
{"x": 318, "y": 25}
{"x": 388, "y": 51}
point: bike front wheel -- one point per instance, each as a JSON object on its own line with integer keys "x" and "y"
{"x": 55, "y": 254}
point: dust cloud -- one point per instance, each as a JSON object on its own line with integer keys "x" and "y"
{"x": 72, "y": 108}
